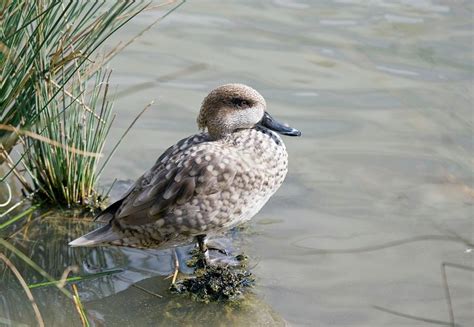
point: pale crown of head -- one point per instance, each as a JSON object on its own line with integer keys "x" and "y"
{"x": 230, "y": 107}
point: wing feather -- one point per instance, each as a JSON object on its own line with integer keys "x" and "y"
{"x": 180, "y": 175}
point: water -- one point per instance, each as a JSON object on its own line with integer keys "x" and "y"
{"x": 380, "y": 188}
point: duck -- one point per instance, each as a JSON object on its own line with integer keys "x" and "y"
{"x": 206, "y": 183}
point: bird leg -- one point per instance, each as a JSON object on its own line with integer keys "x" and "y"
{"x": 201, "y": 240}
{"x": 205, "y": 260}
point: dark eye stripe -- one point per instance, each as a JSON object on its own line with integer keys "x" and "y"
{"x": 239, "y": 102}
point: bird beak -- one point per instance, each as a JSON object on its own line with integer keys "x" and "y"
{"x": 270, "y": 123}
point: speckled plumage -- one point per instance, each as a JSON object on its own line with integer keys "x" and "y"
{"x": 205, "y": 183}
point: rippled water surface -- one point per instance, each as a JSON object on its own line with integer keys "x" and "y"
{"x": 380, "y": 189}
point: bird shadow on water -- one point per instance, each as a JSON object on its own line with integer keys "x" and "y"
{"x": 109, "y": 285}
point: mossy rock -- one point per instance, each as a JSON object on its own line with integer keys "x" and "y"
{"x": 216, "y": 282}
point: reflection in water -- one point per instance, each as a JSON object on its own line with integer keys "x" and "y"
{"x": 110, "y": 276}
{"x": 45, "y": 242}
{"x": 175, "y": 310}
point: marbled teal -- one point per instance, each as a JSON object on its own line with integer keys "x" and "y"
{"x": 206, "y": 183}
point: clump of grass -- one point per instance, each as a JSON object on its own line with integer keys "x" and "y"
{"x": 51, "y": 85}
{"x": 42, "y": 46}
{"x": 54, "y": 92}
{"x": 59, "y": 174}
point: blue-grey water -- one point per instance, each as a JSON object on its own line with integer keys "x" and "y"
{"x": 380, "y": 189}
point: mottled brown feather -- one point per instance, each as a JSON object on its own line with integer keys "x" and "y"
{"x": 174, "y": 186}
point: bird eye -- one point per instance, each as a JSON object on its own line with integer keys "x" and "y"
{"x": 239, "y": 102}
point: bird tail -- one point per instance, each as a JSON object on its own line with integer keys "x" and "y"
{"x": 103, "y": 234}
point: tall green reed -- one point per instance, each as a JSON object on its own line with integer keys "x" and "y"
{"x": 59, "y": 175}
{"x": 42, "y": 45}
{"x": 51, "y": 84}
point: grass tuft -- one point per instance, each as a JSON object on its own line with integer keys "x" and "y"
{"x": 60, "y": 175}
{"x": 54, "y": 92}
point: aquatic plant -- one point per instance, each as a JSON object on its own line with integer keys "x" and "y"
{"x": 43, "y": 44}
{"x": 52, "y": 87}
{"x": 62, "y": 176}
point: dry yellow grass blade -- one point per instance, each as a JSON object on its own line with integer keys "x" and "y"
{"x": 49, "y": 141}
{"x": 79, "y": 307}
{"x": 23, "y": 284}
